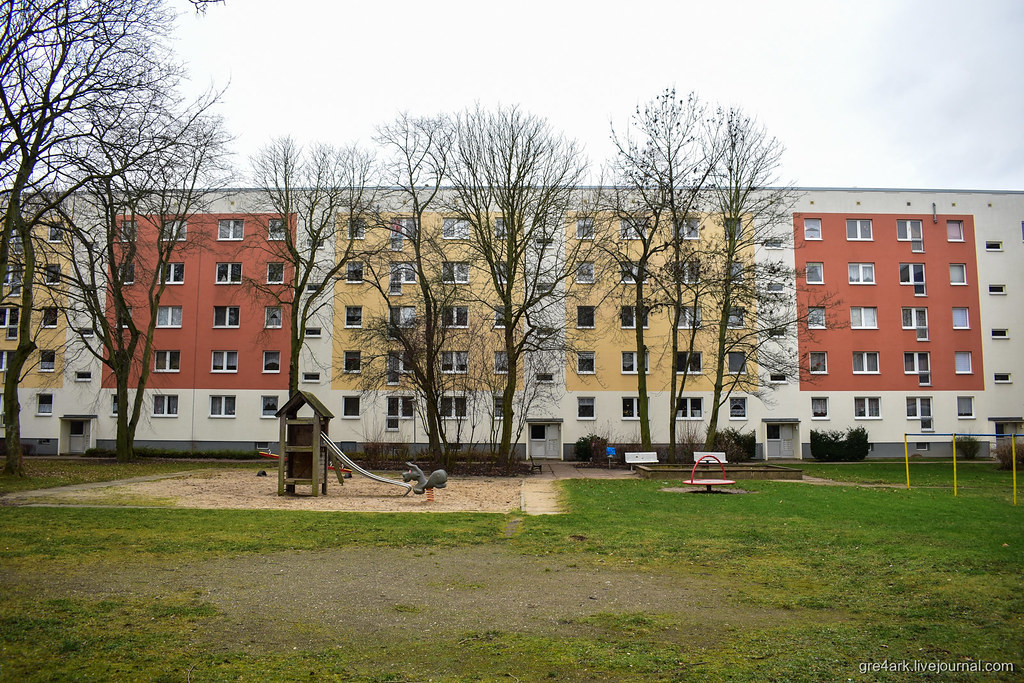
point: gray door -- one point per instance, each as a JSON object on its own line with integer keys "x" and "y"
{"x": 78, "y": 432}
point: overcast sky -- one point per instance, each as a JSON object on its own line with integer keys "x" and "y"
{"x": 873, "y": 93}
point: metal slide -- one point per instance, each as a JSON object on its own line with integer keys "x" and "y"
{"x": 344, "y": 460}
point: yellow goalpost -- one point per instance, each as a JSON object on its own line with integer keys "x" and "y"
{"x": 1013, "y": 455}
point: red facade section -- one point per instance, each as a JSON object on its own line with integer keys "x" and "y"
{"x": 199, "y": 295}
{"x": 936, "y": 256}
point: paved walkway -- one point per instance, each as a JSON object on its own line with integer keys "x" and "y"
{"x": 540, "y": 493}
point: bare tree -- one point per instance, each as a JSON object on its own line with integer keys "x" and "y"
{"x": 66, "y": 70}
{"x": 323, "y": 199}
{"x": 662, "y": 167}
{"x": 515, "y": 185}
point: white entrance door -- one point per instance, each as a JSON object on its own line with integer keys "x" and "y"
{"x": 79, "y": 436}
{"x": 786, "y": 433}
{"x": 538, "y": 441}
{"x": 554, "y": 444}
{"x": 778, "y": 441}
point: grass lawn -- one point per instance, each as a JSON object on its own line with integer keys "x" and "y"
{"x": 790, "y": 582}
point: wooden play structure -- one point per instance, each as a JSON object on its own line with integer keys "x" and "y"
{"x": 303, "y": 451}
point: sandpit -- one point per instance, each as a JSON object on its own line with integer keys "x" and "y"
{"x": 242, "y": 489}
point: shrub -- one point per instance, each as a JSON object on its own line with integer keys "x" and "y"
{"x": 737, "y": 446}
{"x": 837, "y": 446}
{"x": 1004, "y": 454}
{"x": 172, "y": 454}
{"x": 590, "y": 448}
{"x": 967, "y": 447}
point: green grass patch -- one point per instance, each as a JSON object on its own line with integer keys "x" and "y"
{"x": 975, "y": 474}
{"x": 45, "y": 473}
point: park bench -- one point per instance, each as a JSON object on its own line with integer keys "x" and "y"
{"x": 641, "y": 458}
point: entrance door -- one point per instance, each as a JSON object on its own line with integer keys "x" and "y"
{"x": 554, "y": 443}
{"x": 79, "y": 436}
{"x": 778, "y": 441}
{"x": 539, "y": 441}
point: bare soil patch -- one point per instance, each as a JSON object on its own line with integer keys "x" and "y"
{"x": 242, "y": 489}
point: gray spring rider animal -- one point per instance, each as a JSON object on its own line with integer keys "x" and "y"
{"x": 438, "y": 479}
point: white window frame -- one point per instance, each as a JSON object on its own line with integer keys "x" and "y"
{"x": 954, "y": 231}
{"x": 354, "y": 272}
{"x": 586, "y": 402}
{"x": 865, "y": 359}
{"x": 870, "y": 406}
{"x": 585, "y": 273}
{"x": 173, "y": 273}
{"x": 962, "y": 415}
{"x": 729, "y": 362}
{"x": 584, "y": 228}
{"x": 737, "y": 407}
{"x": 165, "y": 316}
{"x": 688, "y": 229}
{"x": 909, "y": 277}
{"x": 920, "y": 364}
{"x": 351, "y": 407}
{"x": 861, "y": 273}
{"x": 859, "y": 225}
{"x": 47, "y": 360}
{"x": 630, "y": 229}
{"x": 174, "y": 230}
{"x": 586, "y": 362}
{"x": 225, "y": 322}
{"x": 631, "y": 407}
{"x": 690, "y": 408}
{"x": 453, "y": 407}
{"x": 165, "y": 405}
{"x": 966, "y": 317}
{"x": 353, "y": 317}
{"x": 454, "y": 362}
{"x": 223, "y": 406}
{"x": 455, "y": 229}
{"x": 274, "y": 278}
{"x": 690, "y": 317}
{"x": 501, "y": 362}
{"x": 356, "y": 358}
{"x": 268, "y": 312}
{"x": 232, "y": 273}
{"x": 816, "y": 317}
{"x": 230, "y": 229}
{"x": 915, "y": 318}
{"x": 171, "y": 360}
{"x": 627, "y": 318}
{"x": 628, "y": 272}
{"x": 276, "y": 230}
{"x": 220, "y": 361}
{"x": 920, "y": 408}
{"x": 814, "y": 274}
{"x": 44, "y": 408}
{"x": 593, "y": 317}
{"x": 455, "y": 317}
{"x": 963, "y": 363}
{"x": 958, "y": 274}
{"x": 822, "y": 367}
{"x": 454, "y": 272}
{"x": 263, "y": 406}
{"x": 692, "y": 367}
{"x": 911, "y": 230}
{"x": 812, "y": 229}
{"x": 863, "y": 317}
{"x": 818, "y": 414}
{"x": 268, "y": 359}
{"x": 629, "y": 360}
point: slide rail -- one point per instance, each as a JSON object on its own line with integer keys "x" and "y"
{"x": 337, "y": 453}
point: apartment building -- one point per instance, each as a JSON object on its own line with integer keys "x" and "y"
{"x": 919, "y": 335}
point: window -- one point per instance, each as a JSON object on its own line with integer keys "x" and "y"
{"x": 690, "y": 408}
{"x": 585, "y": 362}
{"x": 812, "y": 228}
{"x": 222, "y": 406}
{"x": 455, "y": 229}
{"x": 585, "y": 273}
{"x": 918, "y": 363}
{"x": 454, "y": 272}
{"x": 353, "y": 362}
{"x": 816, "y": 318}
{"x": 51, "y": 274}
{"x": 689, "y": 363}
{"x": 354, "y": 271}
{"x": 862, "y": 273}
{"x": 230, "y": 229}
{"x": 456, "y": 362}
{"x": 276, "y": 230}
{"x": 584, "y": 317}
{"x": 545, "y": 377}
{"x": 167, "y": 361}
{"x": 629, "y": 272}
{"x": 402, "y": 229}
{"x": 268, "y": 406}
{"x": 499, "y": 318}
{"x": 5, "y": 359}
{"x": 397, "y": 364}
{"x": 858, "y": 229}
{"x": 585, "y": 229}
{"x": 401, "y": 273}
{"x": 689, "y": 317}
{"x": 44, "y": 404}
{"x": 271, "y": 361}
{"x": 775, "y": 287}
{"x": 773, "y": 243}
{"x": 229, "y": 273}
{"x": 736, "y": 317}
{"x": 501, "y": 362}
{"x": 957, "y": 274}
{"x": 815, "y": 274}
{"x": 913, "y": 274}
{"x": 353, "y": 316}
{"x": 165, "y": 405}
{"x": 688, "y": 272}
{"x": 993, "y": 246}
{"x": 55, "y": 234}
{"x": 737, "y": 408}
{"x": 398, "y": 408}
{"x": 819, "y": 362}
{"x": 631, "y": 408}
{"x": 311, "y": 377}
{"x": 863, "y": 317}
{"x": 632, "y": 229}
{"x": 173, "y": 231}
{"x": 920, "y": 408}
{"x": 357, "y": 229}
{"x": 865, "y": 362}
{"x": 819, "y": 408}
{"x": 1002, "y": 378}
{"x": 733, "y": 228}
{"x": 226, "y": 316}
{"x": 910, "y": 231}
{"x": 275, "y": 273}
{"x": 778, "y": 378}
{"x": 83, "y": 376}
{"x": 965, "y": 407}
{"x": 1000, "y": 334}
{"x": 168, "y": 316}
{"x": 12, "y": 279}
{"x": 9, "y": 318}
{"x": 313, "y": 332}
{"x": 453, "y": 407}
{"x": 501, "y": 273}
{"x": 962, "y": 362}
{"x": 455, "y": 316}
{"x": 125, "y": 275}
{"x": 916, "y": 319}
{"x": 629, "y": 365}
{"x": 225, "y": 361}
{"x": 628, "y": 316}
{"x": 955, "y": 231}
{"x": 350, "y": 407}
{"x": 585, "y": 408}
{"x": 272, "y": 317}
{"x": 737, "y": 362}
{"x": 47, "y": 361}
{"x": 737, "y": 271}
{"x": 402, "y": 316}
{"x": 688, "y": 229}
{"x": 49, "y": 317}
{"x": 997, "y": 289}
{"x": 174, "y": 273}
{"x": 961, "y": 319}
{"x": 499, "y": 229}
{"x": 867, "y": 407}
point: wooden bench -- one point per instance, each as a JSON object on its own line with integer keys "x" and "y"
{"x": 641, "y": 458}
